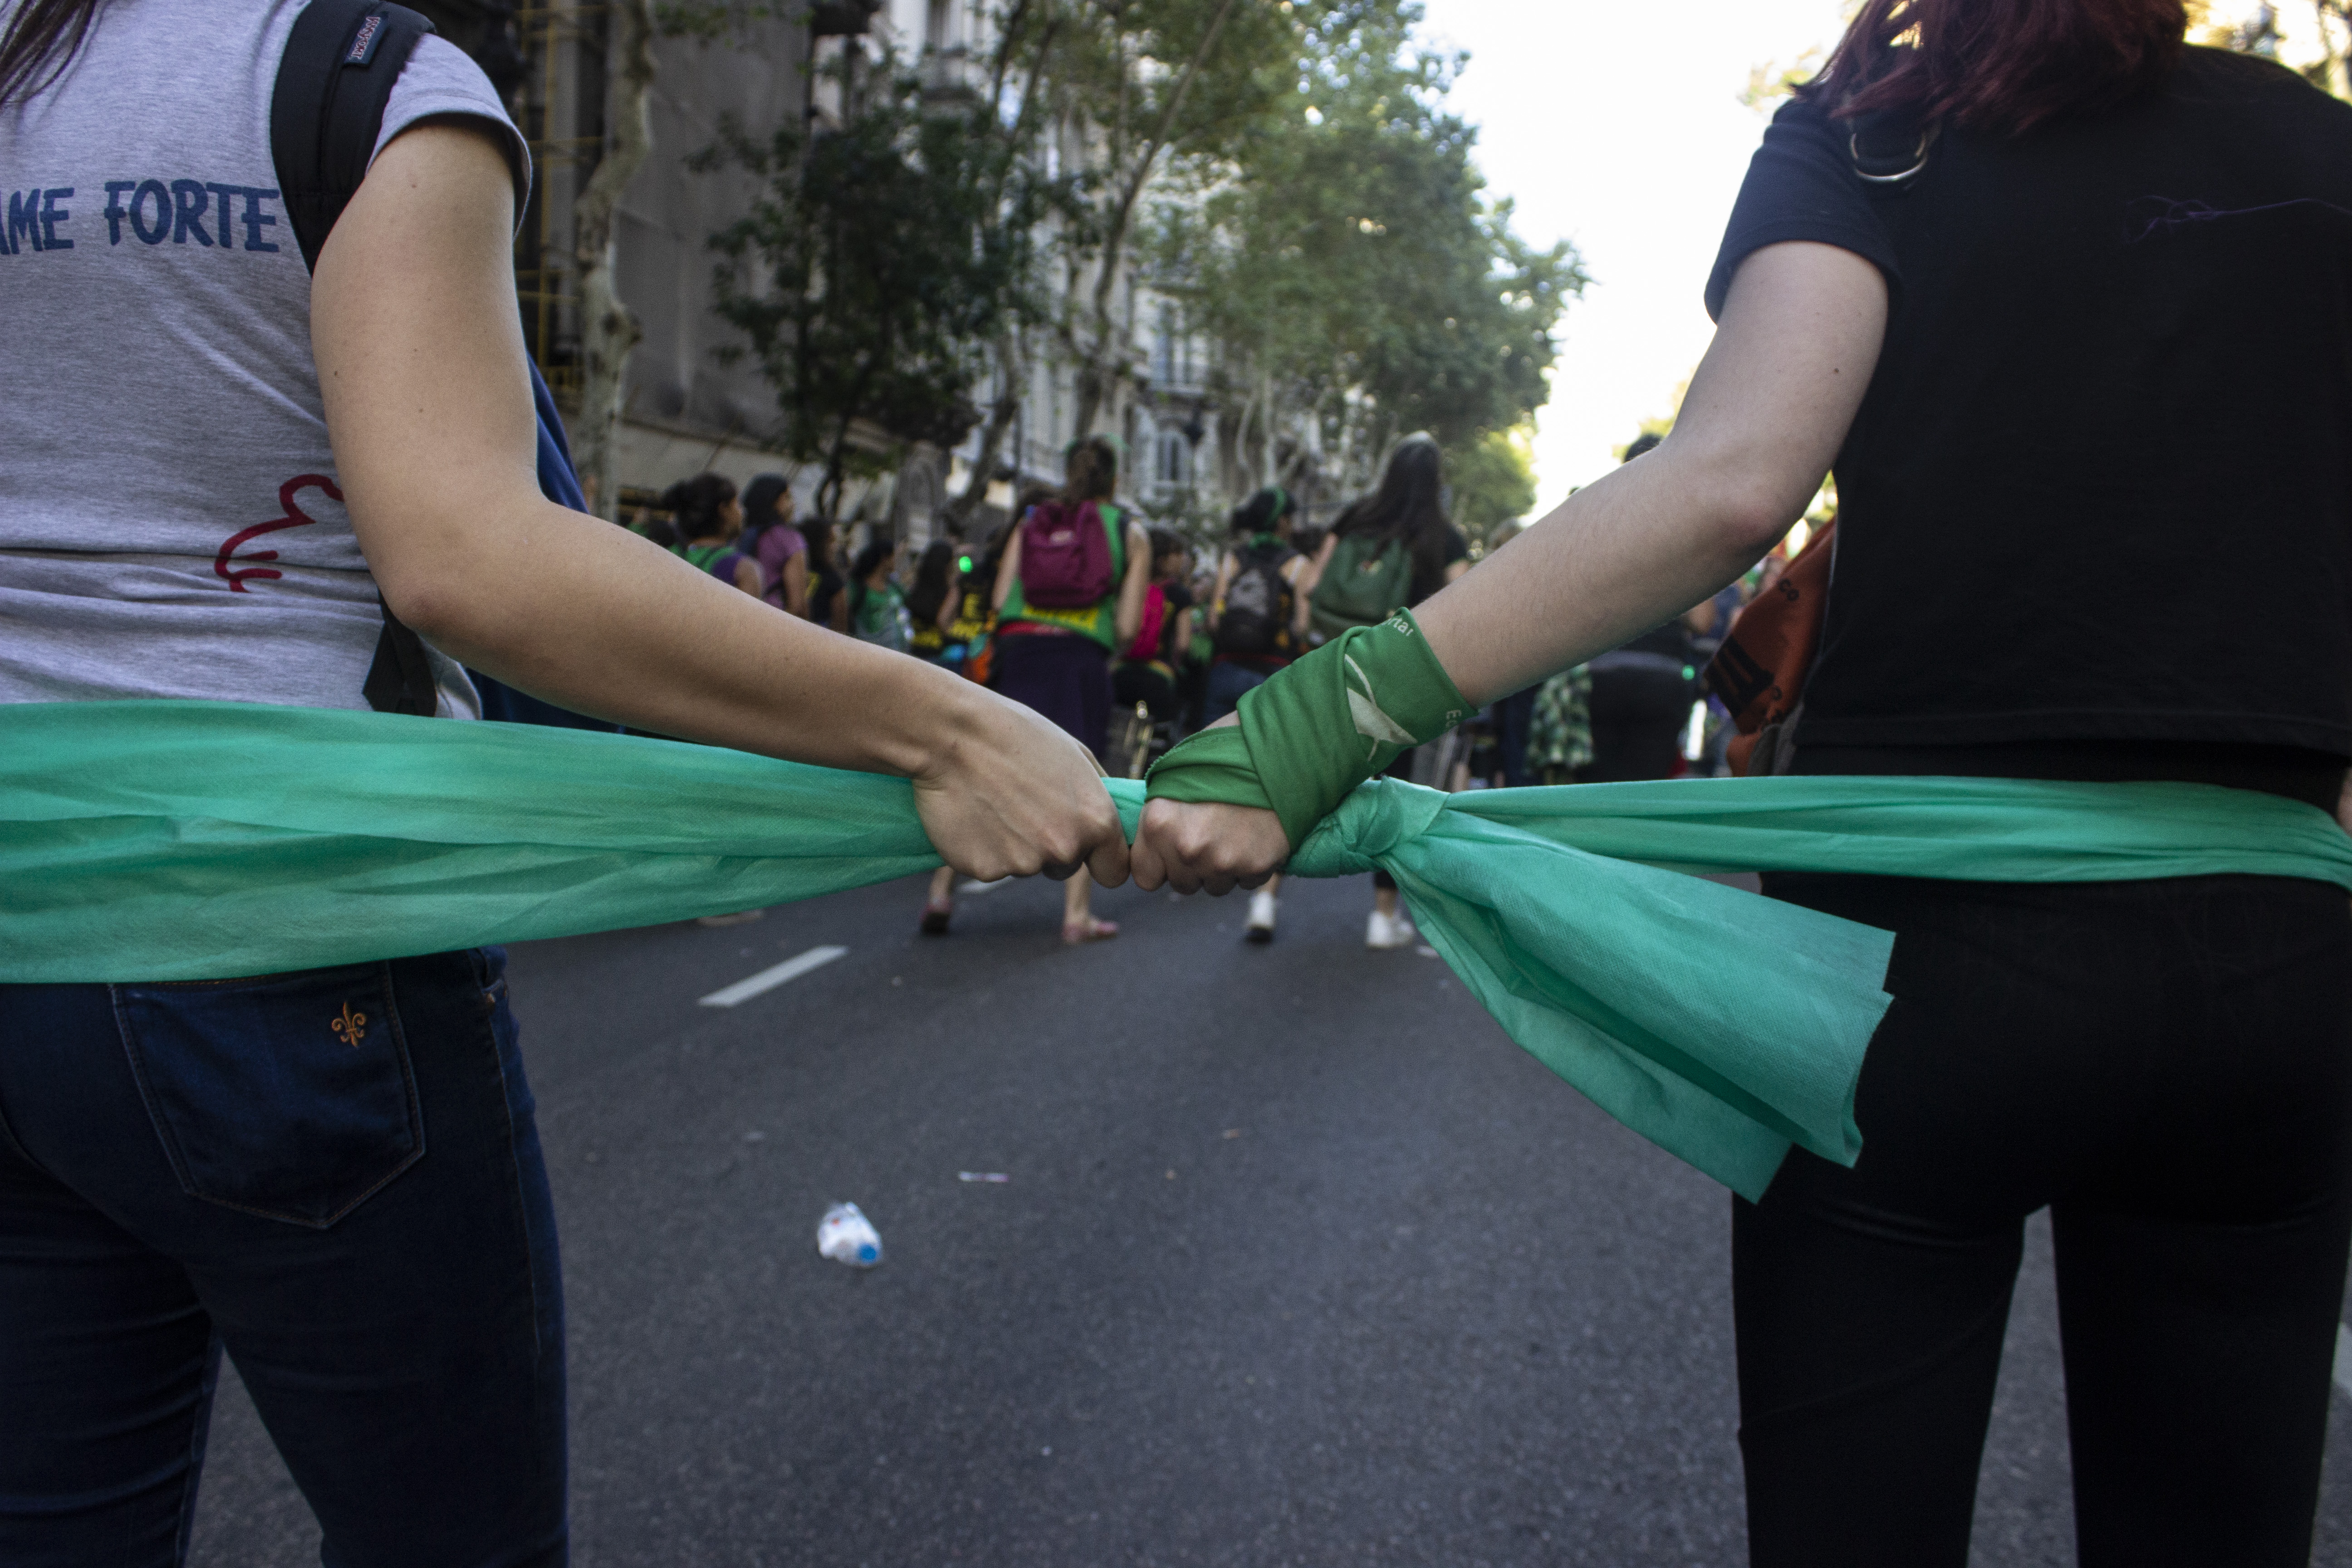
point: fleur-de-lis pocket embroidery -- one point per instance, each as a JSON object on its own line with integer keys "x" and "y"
{"x": 351, "y": 1027}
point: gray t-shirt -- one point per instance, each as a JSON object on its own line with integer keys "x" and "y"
{"x": 170, "y": 520}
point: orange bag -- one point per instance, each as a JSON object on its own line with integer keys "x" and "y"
{"x": 1759, "y": 672}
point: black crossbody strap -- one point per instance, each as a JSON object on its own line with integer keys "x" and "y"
{"x": 333, "y": 82}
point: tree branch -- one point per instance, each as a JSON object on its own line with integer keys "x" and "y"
{"x": 1090, "y": 388}
{"x": 609, "y": 329}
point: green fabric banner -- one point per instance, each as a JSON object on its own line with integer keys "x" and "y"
{"x": 197, "y": 840}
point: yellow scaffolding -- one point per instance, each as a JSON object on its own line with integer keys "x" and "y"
{"x": 543, "y": 262}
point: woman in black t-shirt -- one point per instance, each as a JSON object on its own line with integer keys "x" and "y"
{"x": 2048, "y": 286}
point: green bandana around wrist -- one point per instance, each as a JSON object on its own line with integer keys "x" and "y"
{"x": 1320, "y": 727}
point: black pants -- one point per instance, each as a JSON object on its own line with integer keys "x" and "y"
{"x": 2166, "y": 1065}
{"x": 1638, "y": 717}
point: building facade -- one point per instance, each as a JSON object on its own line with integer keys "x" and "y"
{"x": 684, "y": 408}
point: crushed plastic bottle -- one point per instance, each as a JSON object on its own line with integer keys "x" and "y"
{"x": 845, "y": 1236}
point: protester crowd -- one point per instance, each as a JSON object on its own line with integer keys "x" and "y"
{"x": 1130, "y": 638}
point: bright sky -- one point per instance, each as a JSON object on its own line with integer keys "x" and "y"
{"x": 1618, "y": 126}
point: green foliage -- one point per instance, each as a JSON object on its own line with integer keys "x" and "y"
{"x": 878, "y": 263}
{"x": 1494, "y": 482}
{"x": 1345, "y": 260}
{"x": 1773, "y": 84}
{"x": 1133, "y": 85}
{"x": 714, "y": 20}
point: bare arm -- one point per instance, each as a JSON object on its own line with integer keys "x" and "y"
{"x": 747, "y": 576}
{"x": 1129, "y": 619}
{"x": 1217, "y": 594}
{"x": 1764, "y": 418}
{"x": 1295, "y": 572}
{"x": 1312, "y": 578}
{"x": 796, "y": 584}
{"x": 420, "y": 356}
{"x": 1006, "y": 571}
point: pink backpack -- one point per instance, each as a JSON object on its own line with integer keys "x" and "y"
{"x": 1065, "y": 560}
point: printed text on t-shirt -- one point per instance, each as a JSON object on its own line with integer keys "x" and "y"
{"x": 206, "y": 213}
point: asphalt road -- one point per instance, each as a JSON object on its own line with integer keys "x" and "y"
{"x": 1300, "y": 1261}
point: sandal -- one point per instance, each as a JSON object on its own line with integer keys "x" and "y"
{"x": 935, "y": 918}
{"x": 1092, "y": 930}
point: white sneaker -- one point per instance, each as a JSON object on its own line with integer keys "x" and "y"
{"x": 1261, "y": 917}
{"x": 1389, "y": 931}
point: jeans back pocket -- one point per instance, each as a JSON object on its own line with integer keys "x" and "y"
{"x": 290, "y": 1096}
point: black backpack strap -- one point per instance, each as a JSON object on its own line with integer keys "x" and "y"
{"x": 333, "y": 82}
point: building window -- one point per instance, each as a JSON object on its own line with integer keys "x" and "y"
{"x": 1175, "y": 464}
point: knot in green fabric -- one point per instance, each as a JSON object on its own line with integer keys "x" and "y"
{"x": 1370, "y": 826}
{"x": 1316, "y": 729}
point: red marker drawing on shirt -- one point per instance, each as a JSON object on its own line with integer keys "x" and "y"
{"x": 294, "y": 517}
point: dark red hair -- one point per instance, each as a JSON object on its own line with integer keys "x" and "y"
{"x": 2003, "y": 65}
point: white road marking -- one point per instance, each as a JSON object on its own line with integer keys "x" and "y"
{"x": 2344, "y": 1359}
{"x": 769, "y": 979}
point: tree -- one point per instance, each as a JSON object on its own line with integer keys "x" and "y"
{"x": 1026, "y": 31}
{"x": 2322, "y": 53}
{"x": 1349, "y": 268}
{"x": 1136, "y": 85}
{"x": 1494, "y": 482}
{"x": 879, "y": 264}
{"x": 608, "y": 329}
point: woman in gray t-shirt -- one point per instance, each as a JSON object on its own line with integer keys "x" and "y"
{"x": 216, "y": 464}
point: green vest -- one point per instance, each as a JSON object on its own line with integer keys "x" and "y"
{"x": 1099, "y": 620}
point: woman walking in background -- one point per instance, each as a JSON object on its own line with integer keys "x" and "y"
{"x": 877, "y": 605}
{"x": 1145, "y": 673}
{"x": 1389, "y": 550}
{"x": 707, "y": 520}
{"x": 1987, "y": 221}
{"x": 1257, "y": 620}
{"x": 770, "y": 539}
{"x": 967, "y": 619}
{"x": 1069, "y": 594}
{"x": 933, "y": 603}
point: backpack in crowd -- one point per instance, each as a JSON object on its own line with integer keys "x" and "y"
{"x": 1368, "y": 579}
{"x": 325, "y": 110}
{"x": 1255, "y": 614}
{"x": 1065, "y": 554}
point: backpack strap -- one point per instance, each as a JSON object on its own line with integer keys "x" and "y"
{"x": 334, "y": 80}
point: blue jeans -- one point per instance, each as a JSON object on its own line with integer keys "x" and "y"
{"x": 335, "y": 1176}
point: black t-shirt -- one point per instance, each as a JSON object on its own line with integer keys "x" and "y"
{"x": 2100, "y": 491}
